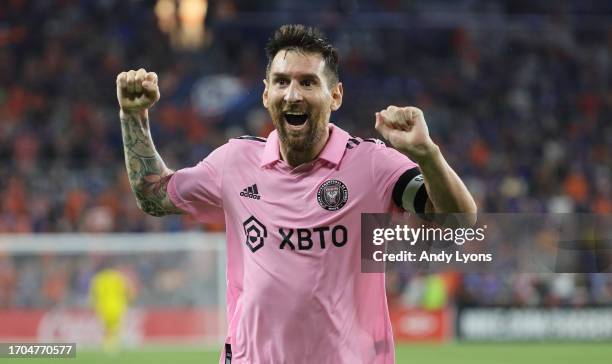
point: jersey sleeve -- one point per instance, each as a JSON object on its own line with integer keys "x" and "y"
{"x": 197, "y": 190}
{"x": 392, "y": 172}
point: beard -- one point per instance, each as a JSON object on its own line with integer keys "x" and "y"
{"x": 299, "y": 144}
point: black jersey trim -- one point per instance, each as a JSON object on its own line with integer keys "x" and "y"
{"x": 374, "y": 140}
{"x": 398, "y": 190}
{"x": 352, "y": 142}
{"x": 250, "y": 137}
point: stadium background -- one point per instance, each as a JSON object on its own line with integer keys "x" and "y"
{"x": 517, "y": 93}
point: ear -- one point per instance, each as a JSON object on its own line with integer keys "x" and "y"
{"x": 264, "y": 96}
{"x": 337, "y": 91}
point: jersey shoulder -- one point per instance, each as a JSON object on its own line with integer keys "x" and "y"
{"x": 251, "y": 138}
{"x": 244, "y": 150}
{"x": 246, "y": 143}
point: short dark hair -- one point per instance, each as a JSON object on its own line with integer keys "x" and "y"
{"x": 301, "y": 38}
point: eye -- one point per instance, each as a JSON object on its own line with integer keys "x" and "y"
{"x": 308, "y": 83}
{"x": 281, "y": 81}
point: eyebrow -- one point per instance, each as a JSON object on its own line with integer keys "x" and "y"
{"x": 300, "y": 75}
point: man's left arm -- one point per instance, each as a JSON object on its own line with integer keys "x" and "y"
{"x": 406, "y": 130}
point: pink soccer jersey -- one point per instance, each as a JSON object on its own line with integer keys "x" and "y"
{"x": 295, "y": 291}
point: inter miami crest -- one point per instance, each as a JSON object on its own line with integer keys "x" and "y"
{"x": 332, "y": 195}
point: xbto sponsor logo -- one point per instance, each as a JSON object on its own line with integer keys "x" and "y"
{"x": 306, "y": 239}
{"x": 292, "y": 239}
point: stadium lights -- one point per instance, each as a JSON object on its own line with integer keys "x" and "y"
{"x": 183, "y": 21}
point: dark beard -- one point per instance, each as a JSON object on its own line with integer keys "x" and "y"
{"x": 301, "y": 149}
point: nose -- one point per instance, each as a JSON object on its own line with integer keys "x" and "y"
{"x": 292, "y": 93}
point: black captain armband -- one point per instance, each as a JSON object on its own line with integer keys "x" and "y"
{"x": 409, "y": 192}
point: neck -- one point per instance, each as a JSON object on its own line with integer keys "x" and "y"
{"x": 295, "y": 157}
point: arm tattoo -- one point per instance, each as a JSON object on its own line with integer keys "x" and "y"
{"x": 147, "y": 172}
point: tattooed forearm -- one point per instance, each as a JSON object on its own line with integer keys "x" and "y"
{"x": 147, "y": 172}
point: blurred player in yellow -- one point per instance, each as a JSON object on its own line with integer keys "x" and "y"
{"x": 110, "y": 294}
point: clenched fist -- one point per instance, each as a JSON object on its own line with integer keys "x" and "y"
{"x": 137, "y": 90}
{"x": 406, "y": 130}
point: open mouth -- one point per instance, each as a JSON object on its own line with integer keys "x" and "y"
{"x": 295, "y": 118}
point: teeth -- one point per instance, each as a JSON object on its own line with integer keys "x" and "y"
{"x": 294, "y": 113}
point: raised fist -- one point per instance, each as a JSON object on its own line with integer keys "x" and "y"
{"x": 137, "y": 90}
{"x": 406, "y": 130}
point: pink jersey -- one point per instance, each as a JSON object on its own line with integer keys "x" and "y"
{"x": 295, "y": 292}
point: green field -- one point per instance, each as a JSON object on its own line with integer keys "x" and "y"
{"x": 525, "y": 353}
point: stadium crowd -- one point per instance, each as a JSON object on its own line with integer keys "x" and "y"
{"x": 520, "y": 108}
{"x": 181, "y": 278}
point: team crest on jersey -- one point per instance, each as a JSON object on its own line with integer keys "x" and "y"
{"x": 332, "y": 195}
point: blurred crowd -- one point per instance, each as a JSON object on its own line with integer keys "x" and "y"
{"x": 517, "y": 94}
{"x": 434, "y": 291}
{"x": 186, "y": 279}
{"x": 181, "y": 278}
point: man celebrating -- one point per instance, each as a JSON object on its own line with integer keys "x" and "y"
{"x": 292, "y": 205}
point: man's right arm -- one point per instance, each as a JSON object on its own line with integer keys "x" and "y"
{"x": 137, "y": 91}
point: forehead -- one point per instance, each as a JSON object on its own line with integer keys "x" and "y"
{"x": 294, "y": 63}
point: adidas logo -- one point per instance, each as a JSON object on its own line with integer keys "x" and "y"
{"x": 251, "y": 192}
